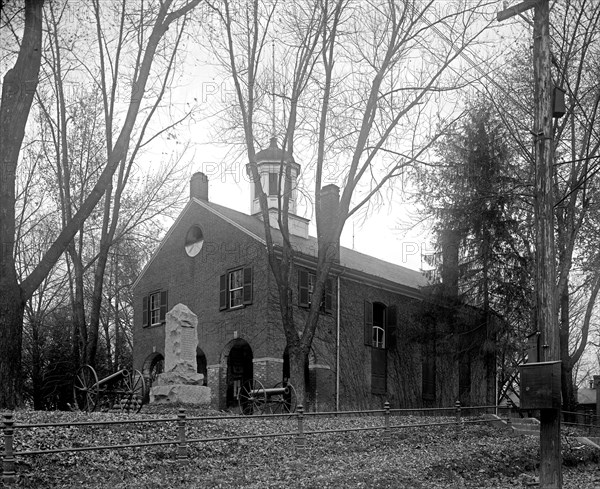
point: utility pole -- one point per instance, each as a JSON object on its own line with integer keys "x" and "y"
{"x": 550, "y": 446}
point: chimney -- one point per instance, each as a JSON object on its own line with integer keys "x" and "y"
{"x": 199, "y": 186}
{"x": 329, "y": 202}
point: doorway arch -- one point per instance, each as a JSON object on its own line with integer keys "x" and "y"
{"x": 237, "y": 358}
{"x": 153, "y": 366}
{"x": 201, "y": 365}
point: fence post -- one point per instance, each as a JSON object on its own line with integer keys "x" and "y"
{"x": 9, "y": 475}
{"x": 457, "y": 411}
{"x": 181, "y": 447}
{"x": 387, "y": 436}
{"x": 300, "y": 437}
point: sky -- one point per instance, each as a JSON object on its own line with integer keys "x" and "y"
{"x": 381, "y": 233}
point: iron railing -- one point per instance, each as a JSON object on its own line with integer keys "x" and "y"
{"x": 456, "y": 415}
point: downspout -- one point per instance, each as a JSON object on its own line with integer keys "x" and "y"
{"x": 337, "y": 349}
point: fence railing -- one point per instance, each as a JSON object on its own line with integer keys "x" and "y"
{"x": 585, "y": 420}
{"x": 456, "y": 415}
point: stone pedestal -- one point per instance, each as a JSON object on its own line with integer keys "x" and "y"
{"x": 180, "y": 381}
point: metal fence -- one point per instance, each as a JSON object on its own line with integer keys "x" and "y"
{"x": 584, "y": 420}
{"x": 456, "y": 415}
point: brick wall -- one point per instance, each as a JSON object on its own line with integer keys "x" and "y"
{"x": 194, "y": 281}
{"x": 404, "y": 362}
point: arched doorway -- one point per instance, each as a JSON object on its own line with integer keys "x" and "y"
{"x": 201, "y": 364}
{"x": 239, "y": 369}
{"x": 153, "y": 366}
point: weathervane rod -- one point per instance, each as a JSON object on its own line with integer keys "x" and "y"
{"x": 273, "y": 87}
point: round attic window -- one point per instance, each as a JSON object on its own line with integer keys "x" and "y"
{"x": 194, "y": 239}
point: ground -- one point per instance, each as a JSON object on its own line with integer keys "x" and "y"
{"x": 467, "y": 456}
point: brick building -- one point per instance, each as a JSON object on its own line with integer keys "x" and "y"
{"x": 390, "y": 340}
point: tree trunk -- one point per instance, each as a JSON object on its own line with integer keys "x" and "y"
{"x": 11, "y": 340}
{"x": 36, "y": 366}
{"x": 78, "y": 307}
{"x": 567, "y": 386}
{"x": 298, "y": 363}
{"x": 18, "y": 89}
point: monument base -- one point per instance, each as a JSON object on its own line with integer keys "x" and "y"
{"x": 179, "y": 377}
{"x": 174, "y": 393}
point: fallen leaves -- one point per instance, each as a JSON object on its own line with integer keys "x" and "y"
{"x": 471, "y": 456}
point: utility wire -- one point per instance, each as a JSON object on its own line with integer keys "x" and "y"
{"x": 462, "y": 53}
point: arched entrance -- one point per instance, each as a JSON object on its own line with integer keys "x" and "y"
{"x": 153, "y": 366}
{"x": 201, "y": 364}
{"x": 238, "y": 358}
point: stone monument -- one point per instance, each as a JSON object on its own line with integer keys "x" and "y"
{"x": 180, "y": 381}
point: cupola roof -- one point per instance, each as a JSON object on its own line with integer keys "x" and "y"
{"x": 273, "y": 153}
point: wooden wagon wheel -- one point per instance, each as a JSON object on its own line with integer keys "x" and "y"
{"x": 252, "y": 397}
{"x": 286, "y": 402}
{"x": 86, "y": 389}
{"x": 134, "y": 390}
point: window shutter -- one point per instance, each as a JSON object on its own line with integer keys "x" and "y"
{"x": 163, "y": 305}
{"x": 145, "y": 311}
{"x": 303, "y": 288}
{"x": 223, "y": 292}
{"x": 391, "y": 327}
{"x": 368, "y": 323}
{"x": 247, "y": 285}
{"x": 328, "y": 296}
{"x": 378, "y": 371}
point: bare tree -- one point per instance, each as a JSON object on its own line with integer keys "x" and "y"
{"x": 85, "y": 135}
{"x": 576, "y": 50}
{"x": 18, "y": 90}
{"x": 575, "y": 45}
{"x": 355, "y": 81}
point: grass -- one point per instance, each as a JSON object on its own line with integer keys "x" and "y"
{"x": 471, "y": 456}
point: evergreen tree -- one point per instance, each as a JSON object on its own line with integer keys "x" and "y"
{"x": 473, "y": 196}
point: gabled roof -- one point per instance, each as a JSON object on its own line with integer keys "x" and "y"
{"x": 349, "y": 259}
{"x": 355, "y": 265}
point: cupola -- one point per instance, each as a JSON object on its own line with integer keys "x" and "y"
{"x": 269, "y": 161}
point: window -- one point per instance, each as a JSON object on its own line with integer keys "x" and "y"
{"x": 380, "y": 335}
{"x": 380, "y": 325}
{"x": 273, "y": 184}
{"x": 194, "y": 240}
{"x": 235, "y": 288}
{"x": 154, "y": 308}
{"x": 311, "y": 287}
{"x": 306, "y": 286}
